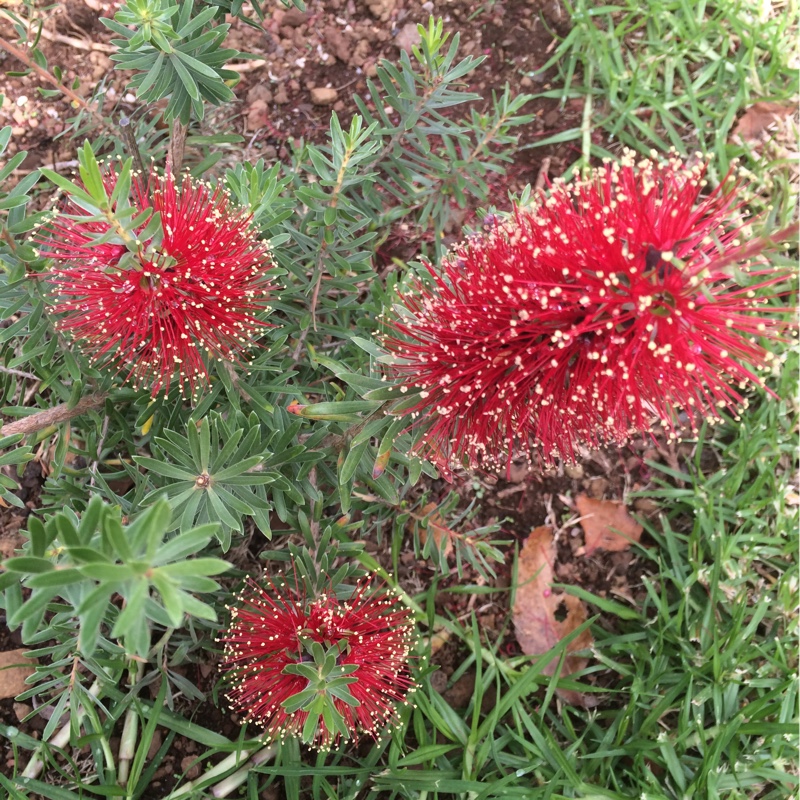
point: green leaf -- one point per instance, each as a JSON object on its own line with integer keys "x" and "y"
{"x": 196, "y": 608}
{"x": 131, "y": 624}
{"x": 164, "y": 469}
{"x": 68, "y": 186}
{"x": 90, "y": 174}
{"x": 30, "y": 565}
{"x": 221, "y": 510}
{"x": 185, "y": 77}
{"x": 55, "y": 578}
{"x": 170, "y": 597}
{"x": 197, "y": 66}
{"x": 345, "y": 410}
{"x": 91, "y": 518}
{"x": 237, "y": 469}
{"x": 94, "y": 609}
{"x": 196, "y": 566}
{"x": 185, "y": 544}
{"x": 148, "y": 529}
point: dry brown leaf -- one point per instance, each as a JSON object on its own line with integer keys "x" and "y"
{"x": 758, "y": 122}
{"x": 437, "y": 529}
{"x": 542, "y": 619}
{"x": 607, "y": 525}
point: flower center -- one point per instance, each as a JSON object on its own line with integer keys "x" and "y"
{"x": 663, "y": 303}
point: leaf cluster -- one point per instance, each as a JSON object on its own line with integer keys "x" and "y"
{"x": 176, "y": 53}
{"x": 119, "y": 580}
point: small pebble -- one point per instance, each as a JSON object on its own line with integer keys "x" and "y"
{"x": 324, "y": 96}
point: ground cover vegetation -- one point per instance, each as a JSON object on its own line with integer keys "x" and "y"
{"x": 266, "y": 420}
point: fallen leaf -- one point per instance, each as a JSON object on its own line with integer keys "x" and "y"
{"x": 10, "y": 542}
{"x": 541, "y": 618}
{"x": 437, "y": 529}
{"x": 759, "y": 121}
{"x": 607, "y": 525}
{"x": 14, "y": 668}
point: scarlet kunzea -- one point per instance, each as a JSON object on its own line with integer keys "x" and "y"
{"x": 161, "y": 310}
{"x": 607, "y": 304}
{"x": 343, "y": 663}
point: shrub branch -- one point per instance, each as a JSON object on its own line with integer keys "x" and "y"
{"x": 54, "y": 416}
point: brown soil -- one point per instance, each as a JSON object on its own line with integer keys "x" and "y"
{"x": 285, "y": 94}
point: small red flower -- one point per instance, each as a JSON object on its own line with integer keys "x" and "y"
{"x": 182, "y": 298}
{"x": 609, "y": 304}
{"x": 277, "y": 634}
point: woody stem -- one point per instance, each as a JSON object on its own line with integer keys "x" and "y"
{"x": 54, "y": 416}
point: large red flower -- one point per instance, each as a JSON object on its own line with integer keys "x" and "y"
{"x": 192, "y": 293}
{"x": 612, "y": 303}
{"x": 271, "y": 633}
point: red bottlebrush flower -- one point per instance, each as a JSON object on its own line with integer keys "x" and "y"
{"x": 180, "y": 300}
{"x": 277, "y": 635}
{"x": 600, "y": 308}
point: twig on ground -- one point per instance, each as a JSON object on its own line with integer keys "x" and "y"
{"x": 18, "y": 372}
{"x": 78, "y": 44}
{"x": 248, "y": 66}
{"x": 57, "y": 166}
{"x": 22, "y": 56}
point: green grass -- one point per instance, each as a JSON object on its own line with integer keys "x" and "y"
{"x": 704, "y": 703}
{"x": 664, "y": 74}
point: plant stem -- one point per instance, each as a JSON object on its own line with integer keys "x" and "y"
{"x": 586, "y": 122}
{"x": 60, "y": 740}
{"x": 54, "y": 416}
{"x": 126, "y": 128}
{"x": 319, "y": 269}
{"x": 177, "y": 146}
{"x": 130, "y": 730}
{"x": 22, "y": 56}
{"x": 231, "y": 762}
{"x": 232, "y": 782}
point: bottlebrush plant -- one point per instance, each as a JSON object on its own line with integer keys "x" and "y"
{"x": 322, "y": 668}
{"x": 595, "y": 310}
{"x": 189, "y": 356}
{"x": 182, "y": 287}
